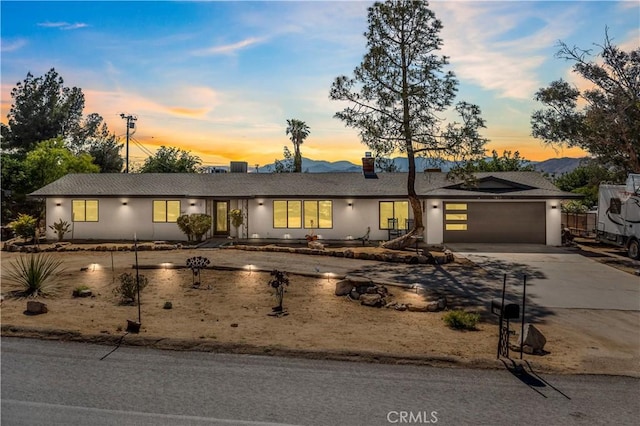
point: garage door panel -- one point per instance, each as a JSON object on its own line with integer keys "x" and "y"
{"x": 499, "y": 223}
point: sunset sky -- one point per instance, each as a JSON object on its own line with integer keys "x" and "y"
{"x": 220, "y": 79}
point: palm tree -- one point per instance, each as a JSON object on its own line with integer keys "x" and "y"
{"x": 299, "y": 131}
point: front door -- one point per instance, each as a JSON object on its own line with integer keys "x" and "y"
{"x": 220, "y": 218}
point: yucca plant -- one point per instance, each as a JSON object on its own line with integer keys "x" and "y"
{"x": 35, "y": 274}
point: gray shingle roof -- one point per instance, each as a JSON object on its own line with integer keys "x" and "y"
{"x": 279, "y": 185}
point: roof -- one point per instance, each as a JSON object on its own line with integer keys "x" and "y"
{"x": 307, "y": 185}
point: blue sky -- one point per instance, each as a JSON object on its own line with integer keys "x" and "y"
{"x": 220, "y": 79}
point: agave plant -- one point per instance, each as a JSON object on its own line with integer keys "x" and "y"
{"x": 34, "y": 274}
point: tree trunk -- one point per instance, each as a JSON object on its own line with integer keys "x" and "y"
{"x": 403, "y": 241}
{"x": 416, "y": 207}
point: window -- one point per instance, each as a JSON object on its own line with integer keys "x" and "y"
{"x": 295, "y": 213}
{"x": 615, "y": 206}
{"x": 318, "y": 214}
{"x": 398, "y": 210}
{"x": 84, "y": 210}
{"x": 287, "y": 214}
{"x": 455, "y": 217}
{"x": 456, "y": 227}
{"x": 166, "y": 210}
{"x": 453, "y": 206}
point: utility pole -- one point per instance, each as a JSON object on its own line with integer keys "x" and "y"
{"x": 130, "y": 125}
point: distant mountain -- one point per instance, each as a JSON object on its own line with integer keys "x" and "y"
{"x": 552, "y": 166}
{"x": 557, "y": 166}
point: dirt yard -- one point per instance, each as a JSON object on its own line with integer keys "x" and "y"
{"x": 229, "y": 312}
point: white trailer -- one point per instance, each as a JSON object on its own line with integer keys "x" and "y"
{"x": 619, "y": 215}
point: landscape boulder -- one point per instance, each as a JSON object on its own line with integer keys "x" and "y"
{"x": 533, "y": 342}
{"x": 374, "y": 300}
{"x": 315, "y": 245}
{"x": 36, "y": 308}
{"x": 343, "y": 287}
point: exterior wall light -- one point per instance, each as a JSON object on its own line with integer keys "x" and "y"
{"x": 260, "y": 203}
{"x": 193, "y": 204}
{"x": 58, "y": 204}
{"x": 435, "y": 206}
{"x": 554, "y": 206}
{"x": 124, "y": 203}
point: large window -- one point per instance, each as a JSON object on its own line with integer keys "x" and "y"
{"x": 287, "y": 214}
{"x": 84, "y": 210}
{"x": 166, "y": 210}
{"x": 318, "y": 214}
{"x": 295, "y": 213}
{"x": 394, "y": 214}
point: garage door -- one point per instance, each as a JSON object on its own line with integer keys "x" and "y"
{"x": 481, "y": 222}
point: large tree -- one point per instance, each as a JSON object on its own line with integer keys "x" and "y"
{"x": 92, "y": 137}
{"x": 171, "y": 160}
{"x": 399, "y": 91}
{"x": 604, "y": 119}
{"x": 51, "y": 159}
{"x": 43, "y": 108}
{"x": 299, "y": 131}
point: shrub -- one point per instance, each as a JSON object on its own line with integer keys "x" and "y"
{"x": 200, "y": 224}
{"x": 461, "y": 320}
{"x": 194, "y": 225}
{"x": 237, "y": 219}
{"x": 61, "y": 227}
{"x": 185, "y": 226}
{"x": 127, "y": 289}
{"x": 34, "y": 274}
{"x": 25, "y": 226}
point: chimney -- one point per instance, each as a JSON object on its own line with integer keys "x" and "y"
{"x": 369, "y": 166}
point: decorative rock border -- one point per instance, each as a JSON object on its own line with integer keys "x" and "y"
{"x": 422, "y": 258}
{"x": 66, "y": 246}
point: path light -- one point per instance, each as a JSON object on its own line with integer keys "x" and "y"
{"x": 249, "y": 267}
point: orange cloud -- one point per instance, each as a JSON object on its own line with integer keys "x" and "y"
{"x": 189, "y": 112}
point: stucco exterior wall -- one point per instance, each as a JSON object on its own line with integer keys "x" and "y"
{"x": 351, "y": 217}
{"x": 554, "y": 223}
{"x": 119, "y": 221}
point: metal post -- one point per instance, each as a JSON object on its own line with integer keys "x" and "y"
{"x": 504, "y": 287}
{"x": 524, "y": 304}
{"x": 135, "y": 245}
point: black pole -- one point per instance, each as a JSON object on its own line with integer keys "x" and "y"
{"x": 504, "y": 287}
{"x": 135, "y": 246}
{"x": 524, "y": 304}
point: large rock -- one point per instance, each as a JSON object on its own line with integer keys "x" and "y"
{"x": 534, "y": 340}
{"x": 343, "y": 287}
{"x": 374, "y": 300}
{"x": 416, "y": 308}
{"x": 36, "y": 308}
{"x": 315, "y": 245}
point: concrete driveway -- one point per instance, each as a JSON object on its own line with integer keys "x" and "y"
{"x": 556, "y": 277}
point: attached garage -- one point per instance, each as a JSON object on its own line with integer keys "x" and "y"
{"x": 495, "y": 222}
